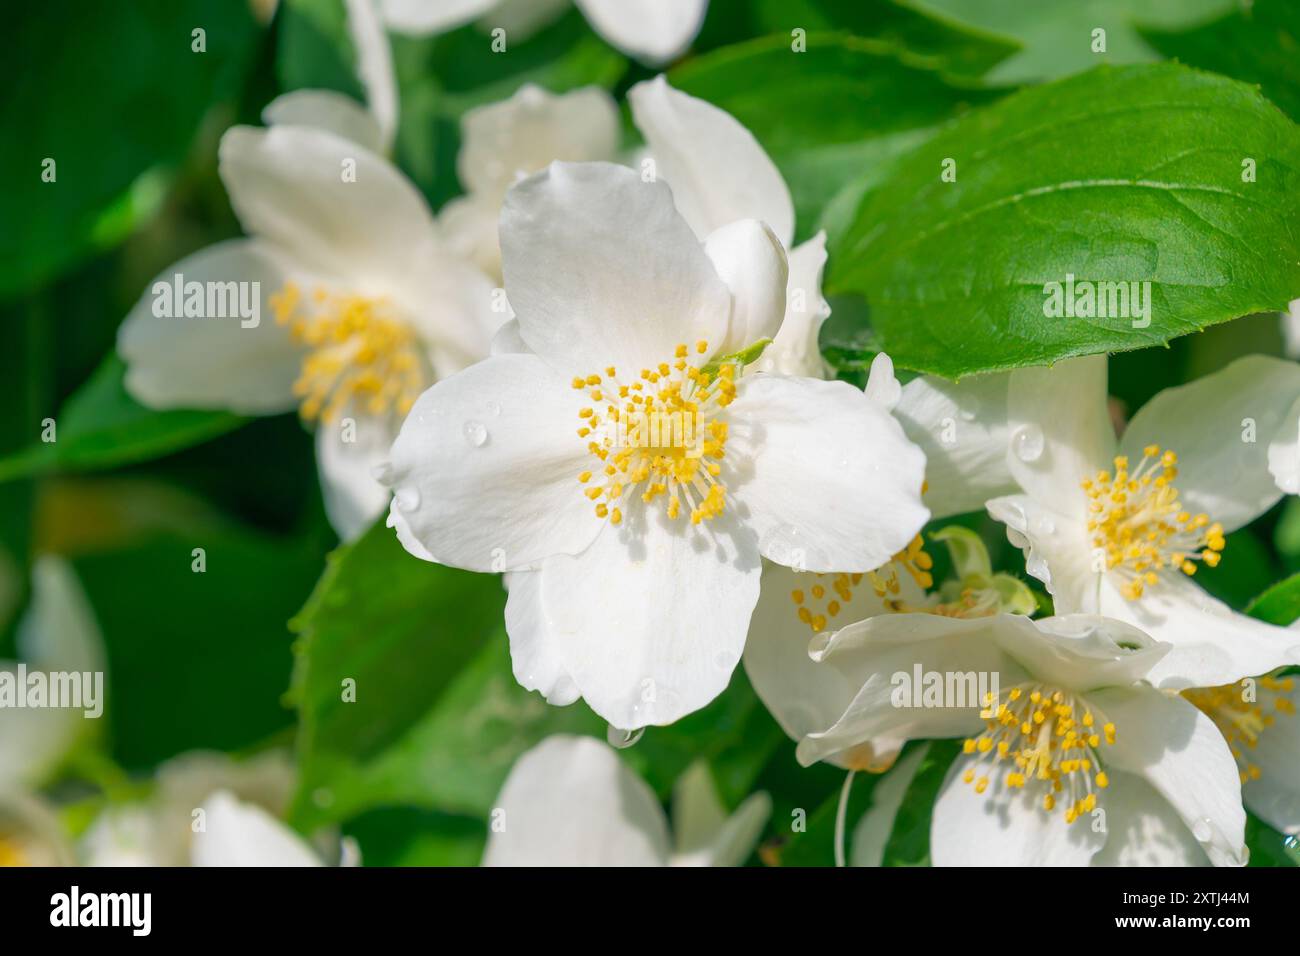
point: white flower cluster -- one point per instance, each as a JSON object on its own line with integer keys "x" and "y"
{"x": 641, "y": 434}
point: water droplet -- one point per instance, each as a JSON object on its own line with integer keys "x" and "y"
{"x": 407, "y": 498}
{"x": 322, "y": 797}
{"x": 1044, "y": 525}
{"x": 622, "y": 739}
{"x": 723, "y": 662}
{"x": 494, "y": 408}
{"x": 475, "y": 433}
{"x": 1291, "y": 842}
{"x": 1028, "y": 443}
{"x": 1202, "y": 830}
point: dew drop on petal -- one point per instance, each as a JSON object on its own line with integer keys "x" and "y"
{"x": 476, "y": 433}
{"x": 406, "y": 498}
{"x": 1028, "y": 443}
{"x": 494, "y": 408}
{"x": 622, "y": 739}
{"x": 1202, "y": 830}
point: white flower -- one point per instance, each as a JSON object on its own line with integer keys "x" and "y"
{"x": 1258, "y": 719}
{"x": 359, "y": 304}
{"x": 805, "y": 696}
{"x": 58, "y": 632}
{"x": 1075, "y": 761}
{"x": 718, "y": 172}
{"x": 161, "y": 829}
{"x": 648, "y": 557}
{"x": 570, "y": 801}
{"x": 30, "y": 832}
{"x": 1118, "y": 528}
{"x": 654, "y": 31}
{"x": 503, "y": 142}
{"x": 239, "y": 833}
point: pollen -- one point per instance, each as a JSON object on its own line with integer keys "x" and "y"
{"x": 661, "y": 435}
{"x": 1244, "y": 712}
{"x": 1141, "y": 528}
{"x": 1042, "y": 737}
{"x": 360, "y": 356}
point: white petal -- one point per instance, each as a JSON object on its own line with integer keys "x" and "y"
{"x": 214, "y": 362}
{"x": 802, "y": 695}
{"x": 1291, "y": 329}
{"x": 795, "y": 350}
{"x": 1284, "y": 452}
{"x": 31, "y": 827}
{"x": 1144, "y": 830}
{"x": 374, "y": 66}
{"x": 421, "y": 17}
{"x": 535, "y": 654}
{"x": 751, "y": 261}
{"x": 58, "y": 632}
{"x": 456, "y": 313}
{"x": 653, "y": 31}
{"x": 881, "y": 656}
{"x": 1207, "y": 423}
{"x": 1060, "y": 430}
{"x": 717, "y": 170}
{"x": 292, "y": 186}
{"x": 485, "y": 468}
{"x": 1057, "y": 551}
{"x": 354, "y": 498}
{"x": 602, "y": 271}
{"x": 882, "y": 385}
{"x": 469, "y": 225}
{"x": 508, "y": 341}
{"x": 243, "y": 834}
{"x": 570, "y": 801}
{"x": 824, "y": 475}
{"x": 1275, "y": 796}
{"x": 703, "y": 833}
{"x": 327, "y": 110}
{"x": 1212, "y": 644}
{"x": 1179, "y": 751}
{"x": 962, "y": 428}
{"x": 871, "y": 835}
{"x": 1004, "y": 826}
{"x": 503, "y": 141}
{"x": 652, "y": 617}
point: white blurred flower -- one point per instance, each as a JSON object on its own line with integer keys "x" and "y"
{"x": 570, "y": 801}
{"x": 653, "y": 31}
{"x": 648, "y": 563}
{"x": 1073, "y": 760}
{"x": 160, "y": 829}
{"x": 359, "y": 303}
{"x": 242, "y": 833}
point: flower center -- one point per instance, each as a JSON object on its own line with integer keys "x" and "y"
{"x": 11, "y": 852}
{"x": 1050, "y": 737}
{"x": 661, "y": 433}
{"x": 827, "y": 596}
{"x": 357, "y": 351}
{"x": 1243, "y": 716}
{"x": 1139, "y": 525}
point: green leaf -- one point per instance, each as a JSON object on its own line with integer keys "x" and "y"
{"x": 828, "y": 116}
{"x": 1280, "y": 604}
{"x": 101, "y": 426}
{"x": 113, "y": 159}
{"x": 1058, "y": 181}
{"x": 1058, "y": 36}
{"x": 438, "y": 717}
{"x": 1258, "y": 42}
{"x": 909, "y": 843}
{"x": 196, "y": 660}
{"x": 934, "y": 42}
{"x": 1267, "y": 846}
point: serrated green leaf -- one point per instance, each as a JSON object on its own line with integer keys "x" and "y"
{"x": 1123, "y": 175}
